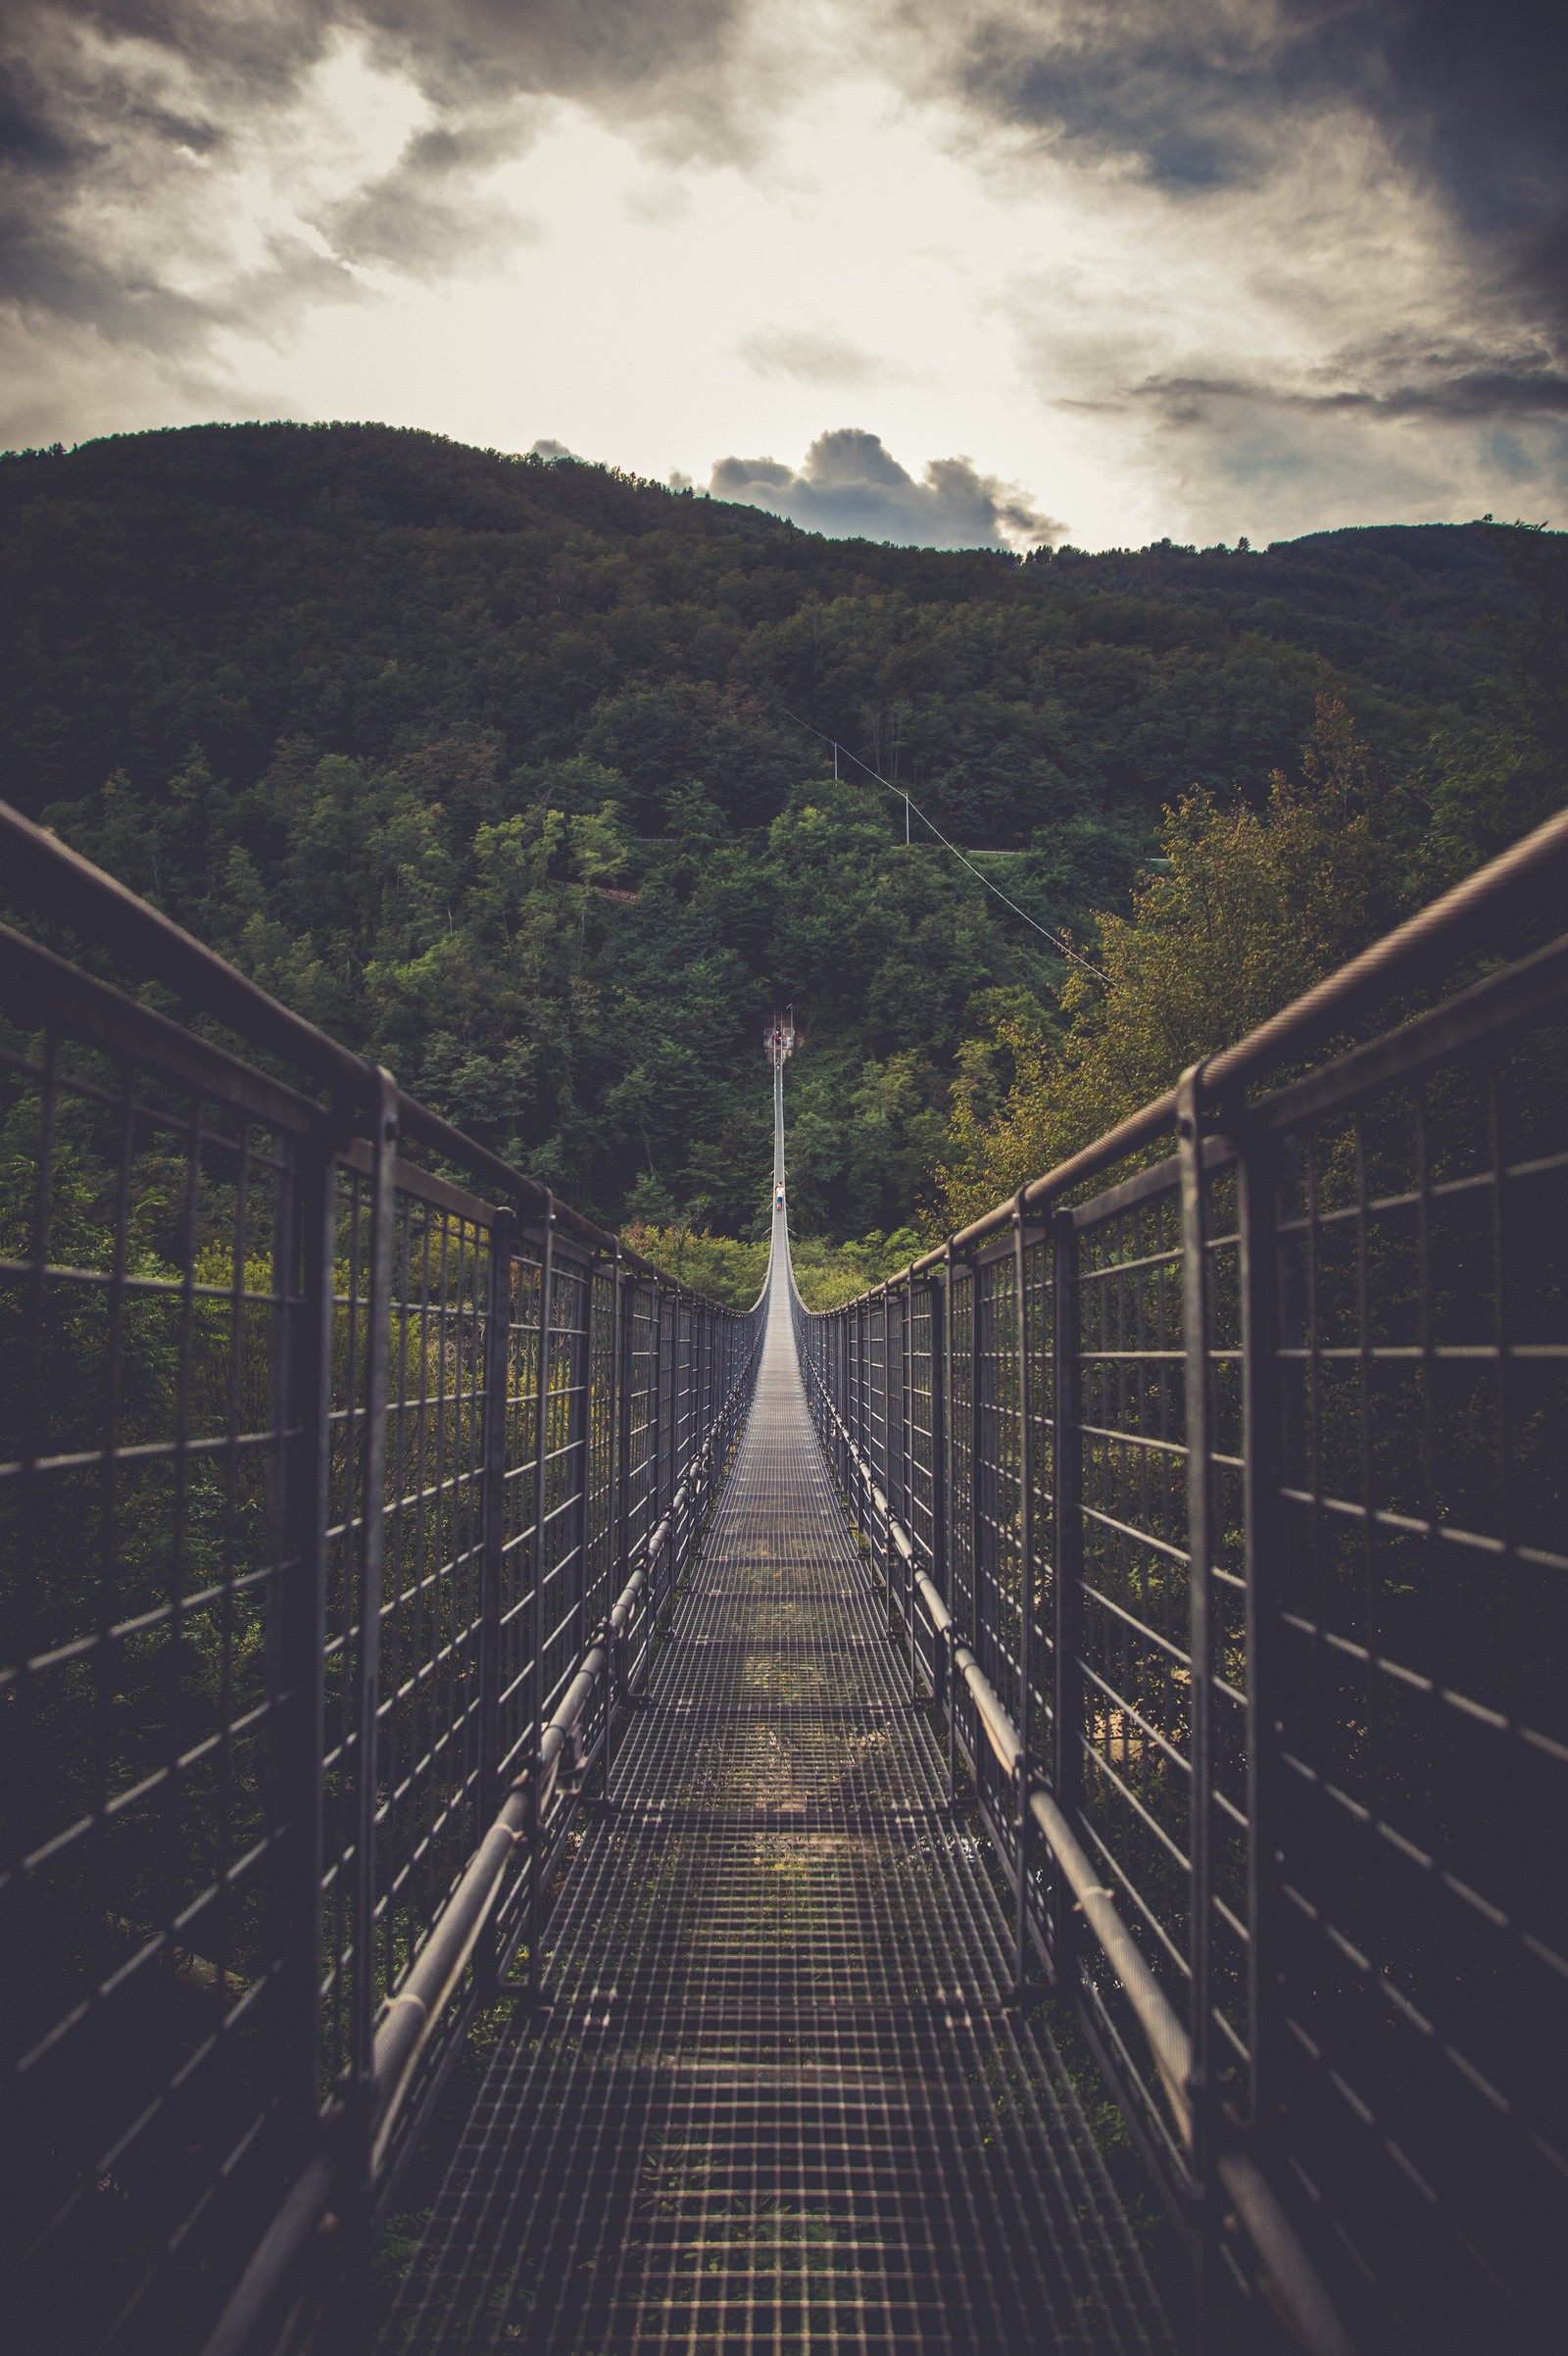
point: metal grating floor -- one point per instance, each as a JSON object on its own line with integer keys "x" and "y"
{"x": 776, "y": 2103}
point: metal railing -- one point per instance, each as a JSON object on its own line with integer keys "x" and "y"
{"x": 1219, "y": 1485}
{"x": 347, "y": 1478}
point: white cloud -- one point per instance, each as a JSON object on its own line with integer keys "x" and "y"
{"x": 851, "y": 487}
{"x": 810, "y": 356}
{"x": 1200, "y": 267}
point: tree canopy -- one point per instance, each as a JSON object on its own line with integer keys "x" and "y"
{"x": 488, "y": 765}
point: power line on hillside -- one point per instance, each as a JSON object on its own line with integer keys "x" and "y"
{"x": 1044, "y": 930}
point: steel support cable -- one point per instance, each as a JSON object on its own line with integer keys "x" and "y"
{"x": 1075, "y": 955}
{"x": 1443, "y": 928}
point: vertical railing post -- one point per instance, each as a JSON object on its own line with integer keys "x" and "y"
{"x": 702, "y": 1344}
{"x": 846, "y": 1403}
{"x": 711, "y": 1395}
{"x": 497, "y": 1378}
{"x": 1026, "y": 1612}
{"x": 682, "y": 1443}
{"x": 862, "y": 1420}
{"x": 679, "y": 1410}
{"x": 858, "y": 1421}
{"x": 938, "y": 1483}
{"x": 655, "y": 1425}
{"x": 979, "y": 1618}
{"x": 1257, "y": 1182}
{"x": 1199, "y": 1546}
{"x": 846, "y": 1321}
{"x": 1066, "y": 1763}
{"x": 893, "y": 1444}
{"x": 579, "y": 1447}
{"x": 672, "y": 1402}
{"x": 945, "y": 1583}
{"x": 306, "y": 1237}
{"x": 909, "y": 1590}
{"x": 694, "y": 1445}
{"x": 614, "y": 1536}
{"x": 884, "y": 1381}
{"x": 830, "y": 1370}
{"x": 699, "y": 1316}
{"x": 372, "y": 1515}
{"x": 541, "y": 1460}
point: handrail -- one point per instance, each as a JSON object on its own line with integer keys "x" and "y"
{"x": 1299, "y": 2289}
{"x": 71, "y": 888}
{"x": 1169, "y": 2039}
{"x": 1442, "y": 927}
{"x": 336, "y": 1111}
{"x": 411, "y": 2016}
{"x": 1215, "y": 1259}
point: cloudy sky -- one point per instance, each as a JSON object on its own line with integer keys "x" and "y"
{"x": 1102, "y": 270}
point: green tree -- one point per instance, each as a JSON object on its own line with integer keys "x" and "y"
{"x": 1252, "y": 908}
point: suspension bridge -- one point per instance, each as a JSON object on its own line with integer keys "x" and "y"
{"x": 751, "y": 1791}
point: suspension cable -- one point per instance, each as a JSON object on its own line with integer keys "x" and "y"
{"x": 1056, "y": 942}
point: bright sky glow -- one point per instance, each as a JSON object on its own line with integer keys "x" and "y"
{"x": 1117, "y": 358}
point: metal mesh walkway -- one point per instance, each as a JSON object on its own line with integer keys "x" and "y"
{"x": 776, "y": 2103}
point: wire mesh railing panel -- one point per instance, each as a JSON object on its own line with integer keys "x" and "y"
{"x": 997, "y": 1502}
{"x": 639, "y": 1420}
{"x": 1416, "y": 2074}
{"x": 962, "y": 1399}
{"x": 564, "y": 1459}
{"x": 776, "y": 2103}
{"x": 1133, "y": 1668}
{"x": 148, "y": 1270}
{"x": 520, "y": 1308}
{"x": 320, "y": 1476}
{"x": 428, "y": 1681}
{"x": 1037, "y": 1719}
{"x": 603, "y": 1412}
{"x": 1270, "y": 1438}
{"x": 925, "y": 1439}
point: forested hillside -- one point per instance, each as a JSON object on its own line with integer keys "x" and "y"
{"x": 487, "y": 764}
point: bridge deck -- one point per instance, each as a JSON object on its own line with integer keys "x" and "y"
{"x": 776, "y": 2103}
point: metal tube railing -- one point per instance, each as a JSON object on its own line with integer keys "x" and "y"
{"x": 1399, "y": 958}
{"x": 47, "y": 873}
{"x": 382, "y": 1456}
{"x": 1251, "y": 1365}
{"x": 409, "y": 2019}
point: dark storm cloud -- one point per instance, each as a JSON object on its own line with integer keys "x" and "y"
{"x": 1470, "y": 97}
{"x": 852, "y": 487}
{"x": 1481, "y": 394}
{"x": 1203, "y": 90}
{"x": 419, "y": 217}
{"x": 137, "y": 257}
{"x": 100, "y": 106}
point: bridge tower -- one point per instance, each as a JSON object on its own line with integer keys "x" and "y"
{"x": 778, "y": 1037}
{"x": 778, "y": 1044}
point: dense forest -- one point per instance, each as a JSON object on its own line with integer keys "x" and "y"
{"x": 504, "y": 772}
